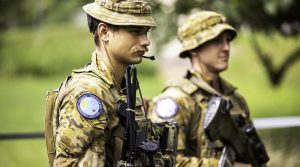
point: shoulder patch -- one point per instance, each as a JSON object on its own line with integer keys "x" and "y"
{"x": 89, "y": 105}
{"x": 166, "y": 108}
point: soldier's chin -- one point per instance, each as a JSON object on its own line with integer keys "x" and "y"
{"x": 137, "y": 60}
{"x": 223, "y": 68}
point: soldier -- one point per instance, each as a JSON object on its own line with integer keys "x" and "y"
{"x": 82, "y": 124}
{"x": 205, "y": 37}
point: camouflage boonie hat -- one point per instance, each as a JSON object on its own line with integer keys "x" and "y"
{"x": 200, "y": 28}
{"x": 121, "y": 12}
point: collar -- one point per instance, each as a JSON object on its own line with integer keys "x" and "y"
{"x": 197, "y": 79}
{"x": 100, "y": 68}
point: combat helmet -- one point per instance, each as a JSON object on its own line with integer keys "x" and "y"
{"x": 200, "y": 28}
{"x": 121, "y": 12}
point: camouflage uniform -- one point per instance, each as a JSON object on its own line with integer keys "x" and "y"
{"x": 82, "y": 125}
{"x": 185, "y": 100}
{"x": 192, "y": 94}
{"x": 82, "y": 141}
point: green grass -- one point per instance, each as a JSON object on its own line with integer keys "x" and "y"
{"x": 23, "y": 153}
{"x": 22, "y": 110}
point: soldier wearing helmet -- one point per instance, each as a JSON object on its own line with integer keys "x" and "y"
{"x": 82, "y": 124}
{"x": 205, "y": 37}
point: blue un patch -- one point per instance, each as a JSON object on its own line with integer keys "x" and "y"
{"x": 166, "y": 108}
{"x": 89, "y": 105}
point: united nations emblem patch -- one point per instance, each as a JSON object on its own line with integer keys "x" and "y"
{"x": 166, "y": 108}
{"x": 89, "y": 105}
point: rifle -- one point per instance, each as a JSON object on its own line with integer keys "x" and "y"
{"x": 135, "y": 140}
{"x": 241, "y": 143}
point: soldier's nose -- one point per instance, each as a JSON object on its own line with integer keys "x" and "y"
{"x": 226, "y": 45}
{"x": 144, "y": 41}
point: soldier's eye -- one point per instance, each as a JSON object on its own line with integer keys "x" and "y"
{"x": 135, "y": 31}
{"x": 217, "y": 40}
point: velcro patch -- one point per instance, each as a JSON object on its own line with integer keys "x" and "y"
{"x": 166, "y": 108}
{"x": 89, "y": 106}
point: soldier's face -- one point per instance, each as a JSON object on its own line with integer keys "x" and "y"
{"x": 129, "y": 43}
{"x": 213, "y": 56}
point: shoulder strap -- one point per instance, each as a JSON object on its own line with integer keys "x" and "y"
{"x": 184, "y": 85}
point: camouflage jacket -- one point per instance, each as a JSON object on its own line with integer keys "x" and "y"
{"x": 84, "y": 141}
{"x": 186, "y": 102}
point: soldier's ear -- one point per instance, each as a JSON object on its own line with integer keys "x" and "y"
{"x": 103, "y": 32}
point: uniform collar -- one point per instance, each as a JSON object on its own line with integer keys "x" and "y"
{"x": 100, "y": 68}
{"x": 197, "y": 79}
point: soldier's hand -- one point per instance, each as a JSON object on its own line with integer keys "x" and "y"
{"x": 240, "y": 164}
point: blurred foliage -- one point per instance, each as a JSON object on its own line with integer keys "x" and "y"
{"x": 259, "y": 15}
{"x": 267, "y": 16}
{"x": 16, "y": 13}
{"x": 50, "y": 50}
{"x": 45, "y": 51}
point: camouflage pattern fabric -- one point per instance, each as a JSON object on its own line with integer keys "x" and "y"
{"x": 81, "y": 141}
{"x": 191, "y": 94}
{"x": 200, "y": 28}
{"x": 121, "y": 12}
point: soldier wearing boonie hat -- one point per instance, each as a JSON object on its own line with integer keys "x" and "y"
{"x": 82, "y": 124}
{"x": 121, "y": 13}
{"x": 200, "y": 28}
{"x": 205, "y": 37}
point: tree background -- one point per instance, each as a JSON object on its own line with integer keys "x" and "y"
{"x": 258, "y": 16}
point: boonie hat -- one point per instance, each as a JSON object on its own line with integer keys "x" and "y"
{"x": 200, "y": 28}
{"x": 121, "y": 12}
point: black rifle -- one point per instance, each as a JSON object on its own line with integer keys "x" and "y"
{"x": 135, "y": 140}
{"x": 242, "y": 144}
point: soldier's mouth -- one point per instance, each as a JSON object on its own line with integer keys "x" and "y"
{"x": 139, "y": 53}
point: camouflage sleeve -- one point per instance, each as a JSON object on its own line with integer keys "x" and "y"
{"x": 188, "y": 125}
{"x": 79, "y": 138}
{"x": 181, "y": 112}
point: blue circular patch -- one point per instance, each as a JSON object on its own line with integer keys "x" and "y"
{"x": 166, "y": 108}
{"x": 89, "y": 105}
